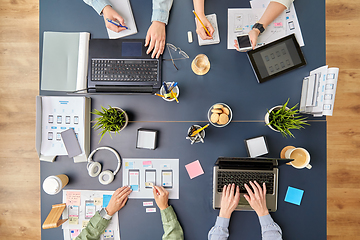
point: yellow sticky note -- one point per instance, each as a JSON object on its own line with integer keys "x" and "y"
{"x": 73, "y": 220}
{"x": 98, "y": 201}
{"x": 85, "y": 223}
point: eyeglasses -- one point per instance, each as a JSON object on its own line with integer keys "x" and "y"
{"x": 182, "y": 54}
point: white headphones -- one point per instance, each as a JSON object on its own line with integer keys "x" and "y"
{"x": 94, "y": 168}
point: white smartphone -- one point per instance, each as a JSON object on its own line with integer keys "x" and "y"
{"x": 244, "y": 42}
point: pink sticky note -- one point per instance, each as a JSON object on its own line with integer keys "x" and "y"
{"x": 73, "y": 198}
{"x": 194, "y": 169}
{"x": 75, "y": 233}
{"x": 278, "y": 24}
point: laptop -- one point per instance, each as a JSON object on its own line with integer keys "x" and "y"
{"x": 242, "y": 170}
{"x": 122, "y": 66}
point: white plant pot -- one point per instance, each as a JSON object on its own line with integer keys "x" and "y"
{"x": 126, "y": 118}
{"x": 267, "y": 115}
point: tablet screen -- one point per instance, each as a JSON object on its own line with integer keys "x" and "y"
{"x": 276, "y": 58}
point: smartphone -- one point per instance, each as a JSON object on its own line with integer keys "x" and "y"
{"x": 134, "y": 175}
{"x": 150, "y": 176}
{"x": 89, "y": 209}
{"x": 244, "y": 42}
{"x": 167, "y": 178}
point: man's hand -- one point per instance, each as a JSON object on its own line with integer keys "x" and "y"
{"x": 257, "y": 199}
{"x": 161, "y": 197}
{"x": 118, "y": 200}
{"x": 229, "y": 200}
{"x": 156, "y": 37}
{"x": 110, "y": 13}
{"x": 200, "y": 29}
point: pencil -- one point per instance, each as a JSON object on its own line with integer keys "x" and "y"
{"x": 199, "y": 130}
{"x": 159, "y": 95}
{"x": 201, "y": 23}
{"x": 174, "y": 95}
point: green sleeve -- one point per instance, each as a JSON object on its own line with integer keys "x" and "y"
{"x": 172, "y": 228}
{"x": 94, "y": 229}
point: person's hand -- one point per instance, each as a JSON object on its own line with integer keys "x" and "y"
{"x": 161, "y": 197}
{"x": 200, "y": 29}
{"x": 253, "y": 35}
{"x": 118, "y": 200}
{"x": 229, "y": 200}
{"x": 156, "y": 37}
{"x": 110, "y": 13}
{"x": 257, "y": 199}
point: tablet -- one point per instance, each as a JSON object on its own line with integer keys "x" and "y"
{"x": 276, "y": 58}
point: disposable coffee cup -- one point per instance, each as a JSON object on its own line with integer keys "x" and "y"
{"x": 53, "y": 184}
{"x": 301, "y": 158}
{"x": 201, "y": 64}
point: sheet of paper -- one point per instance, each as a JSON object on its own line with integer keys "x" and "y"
{"x": 74, "y": 233}
{"x": 150, "y": 210}
{"x": 241, "y": 20}
{"x": 73, "y": 215}
{"x": 123, "y": 7}
{"x": 148, "y": 204}
{"x": 154, "y": 175}
{"x": 294, "y": 195}
{"x": 73, "y": 198}
{"x": 216, "y": 37}
{"x": 194, "y": 169}
{"x": 292, "y": 22}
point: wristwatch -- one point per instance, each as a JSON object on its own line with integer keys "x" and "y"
{"x": 259, "y": 26}
{"x": 103, "y": 213}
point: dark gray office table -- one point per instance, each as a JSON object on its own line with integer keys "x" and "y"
{"x": 229, "y": 80}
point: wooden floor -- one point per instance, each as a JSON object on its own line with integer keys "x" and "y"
{"x": 19, "y": 164}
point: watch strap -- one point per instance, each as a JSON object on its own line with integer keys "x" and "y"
{"x": 259, "y": 26}
{"x": 103, "y": 213}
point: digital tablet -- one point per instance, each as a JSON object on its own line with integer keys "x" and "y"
{"x": 276, "y": 58}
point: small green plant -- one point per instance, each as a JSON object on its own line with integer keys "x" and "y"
{"x": 110, "y": 120}
{"x": 283, "y": 119}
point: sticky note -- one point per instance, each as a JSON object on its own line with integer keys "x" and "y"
{"x": 150, "y": 210}
{"x": 109, "y": 234}
{"x": 147, "y": 164}
{"x": 148, "y": 203}
{"x": 73, "y": 220}
{"x": 106, "y": 200}
{"x": 85, "y": 223}
{"x": 98, "y": 201}
{"x": 194, "y": 169}
{"x": 129, "y": 165}
{"x": 134, "y": 187}
{"x": 73, "y": 198}
{"x": 278, "y": 24}
{"x": 74, "y": 233}
{"x": 165, "y": 166}
{"x": 294, "y": 195}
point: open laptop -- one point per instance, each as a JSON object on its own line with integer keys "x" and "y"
{"x": 242, "y": 170}
{"x": 122, "y": 66}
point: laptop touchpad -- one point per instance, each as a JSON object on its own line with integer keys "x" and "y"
{"x": 131, "y": 49}
{"x": 243, "y": 201}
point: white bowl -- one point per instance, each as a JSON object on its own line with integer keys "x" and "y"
{"x": 215, "y": 124}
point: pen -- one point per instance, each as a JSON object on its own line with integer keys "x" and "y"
{"x": 116, "y": 23}
{"x": 199, "y": 130}
{"x": 174, "y": 95}
{"x": 201, "y": 23}
{"x": 165, "y": 87}
{"x": 172, "y": 87}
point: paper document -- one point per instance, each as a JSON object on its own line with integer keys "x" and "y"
{"x": 241, "y": 21}
{"x": 292, "y": 22}
{"x": 123, "y": 7}
{"x": 216, "y": 37}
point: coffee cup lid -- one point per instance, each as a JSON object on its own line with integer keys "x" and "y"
{"x": 51, "y": 185}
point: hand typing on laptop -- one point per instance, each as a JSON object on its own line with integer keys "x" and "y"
{"x": 156, "y": 38}
{"x": 257, "y": 200}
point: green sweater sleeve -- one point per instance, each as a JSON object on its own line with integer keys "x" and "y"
{"x": 94, "y": 229}
{"x": 172, "y": 228}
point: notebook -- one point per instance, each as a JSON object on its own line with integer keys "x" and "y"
{"x": 64, "y": 61}
{"x": 123, "y": 7}
{"x": 216, "y": 37}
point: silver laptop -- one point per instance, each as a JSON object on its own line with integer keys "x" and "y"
{"x": 242, "y": 170}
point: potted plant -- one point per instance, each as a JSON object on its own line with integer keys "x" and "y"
{"x": 111, "y": 120}
{"x": 282, "y": 119}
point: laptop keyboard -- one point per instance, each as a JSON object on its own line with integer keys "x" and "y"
{"x": 124, "y": 70}
{"x": 240, "y": 178}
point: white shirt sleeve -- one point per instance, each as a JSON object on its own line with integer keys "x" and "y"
{"x": 286, "y": 3}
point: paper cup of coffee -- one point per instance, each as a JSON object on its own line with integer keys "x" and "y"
{"x": 201, "y": 64}
{"x": 301, "y": 158}
{"x": 53, "y": 184}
